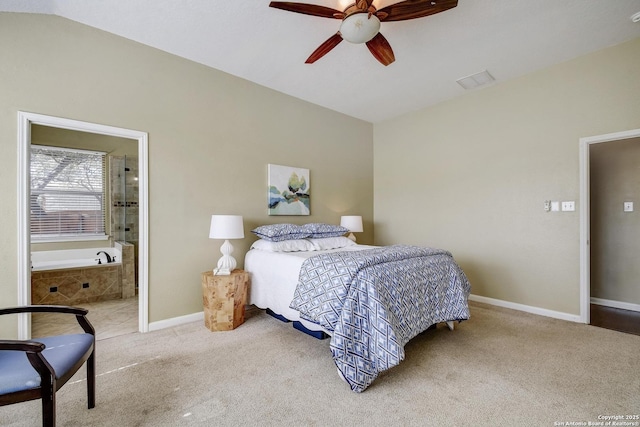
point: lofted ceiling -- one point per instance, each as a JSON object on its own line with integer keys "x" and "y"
{"x": 248, "y": 39}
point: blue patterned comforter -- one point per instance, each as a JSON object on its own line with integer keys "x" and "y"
{"x": 374, "y": 301}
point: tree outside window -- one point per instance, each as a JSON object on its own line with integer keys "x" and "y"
{"x": 67, "y": 199}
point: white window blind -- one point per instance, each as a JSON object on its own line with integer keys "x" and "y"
{"x": 67, "y": 193}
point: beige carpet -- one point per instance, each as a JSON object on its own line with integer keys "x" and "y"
{"x": 501, "y": 368}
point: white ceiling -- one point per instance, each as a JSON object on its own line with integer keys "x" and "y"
{"x": 248, "y": 39}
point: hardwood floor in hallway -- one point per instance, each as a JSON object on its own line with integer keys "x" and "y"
{"x": 615, "y": 318}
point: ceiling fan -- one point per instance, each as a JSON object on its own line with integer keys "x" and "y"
{"x": 361, "y": 22}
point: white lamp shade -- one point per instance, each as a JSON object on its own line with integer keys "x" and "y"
{"x": 359, "y": 27}
{"x": 226, "y": 227}
{"x": 352, "y": 222}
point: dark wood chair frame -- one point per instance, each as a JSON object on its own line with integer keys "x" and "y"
{"x": 49, "y": 383}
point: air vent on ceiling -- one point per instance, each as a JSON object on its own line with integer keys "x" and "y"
{"x": 476, "y": 80}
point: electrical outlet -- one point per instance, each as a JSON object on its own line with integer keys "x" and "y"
{"x": 568, "y": 206}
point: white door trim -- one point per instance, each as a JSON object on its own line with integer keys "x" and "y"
{"x": 25, "y": 120}
{"x": 585, "y": 220}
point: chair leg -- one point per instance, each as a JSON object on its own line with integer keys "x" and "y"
{"x": 91, "y": 380}
{"x": 49, "y": 403}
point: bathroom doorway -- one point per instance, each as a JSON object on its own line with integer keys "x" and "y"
{"x": 126, "y": 216}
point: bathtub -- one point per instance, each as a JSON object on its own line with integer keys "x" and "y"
{"x": 74, "y": 277}
{"x": 72, "y": 258}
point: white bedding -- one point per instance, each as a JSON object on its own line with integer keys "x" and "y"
{"x": 274, "y": 276}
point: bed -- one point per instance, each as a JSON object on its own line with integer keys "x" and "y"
{"x": 370, "y": 300}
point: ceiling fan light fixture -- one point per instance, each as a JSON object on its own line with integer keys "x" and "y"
{"x": 359, "y": 27}
{"x": 361, "y": 22}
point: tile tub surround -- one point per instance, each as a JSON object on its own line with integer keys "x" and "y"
{"x": 128, "y": 268}
{"x": 56, "y": 280}
{"x": 73, "y": 286}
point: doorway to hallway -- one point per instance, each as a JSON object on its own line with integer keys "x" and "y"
{"x": 610, "y": 230}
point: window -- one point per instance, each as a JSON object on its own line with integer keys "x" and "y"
{"x": 67, "y": 200}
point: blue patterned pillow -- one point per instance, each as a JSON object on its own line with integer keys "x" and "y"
{"x": 319, "y": 230}
{"x": 280, "y": 232}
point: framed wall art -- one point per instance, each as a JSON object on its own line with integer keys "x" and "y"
{"x": 288, "y": 191}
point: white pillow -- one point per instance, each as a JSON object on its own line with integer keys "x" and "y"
{"x": 295, "y": 245}
{"x": 331, "y": 243}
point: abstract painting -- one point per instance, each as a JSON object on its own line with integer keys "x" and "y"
{"x": 288, "y": 191}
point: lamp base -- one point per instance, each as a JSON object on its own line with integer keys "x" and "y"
{"x": 227, "y": 263}
{"x": 221, "y": 272}
{"x": 351, "y": 236}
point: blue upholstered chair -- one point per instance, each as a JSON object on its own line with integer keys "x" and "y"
{"x": 36, "y": 369}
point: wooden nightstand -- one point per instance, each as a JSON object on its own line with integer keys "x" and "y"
{"x": 224, "y": 298}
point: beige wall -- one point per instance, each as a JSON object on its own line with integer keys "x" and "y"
{"x": 472, "y": 174}
{"x": 615, "y": 234}
{"x": 211, "y": 137}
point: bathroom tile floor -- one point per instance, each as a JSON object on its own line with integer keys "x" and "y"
{"x": 109, "y": 318}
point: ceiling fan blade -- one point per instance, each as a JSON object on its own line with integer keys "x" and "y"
{"x": 307, "y": 9}
{"x": 381, "y": 49}
{"x": 324, "y": 48}
{"x": 412, "y": 9}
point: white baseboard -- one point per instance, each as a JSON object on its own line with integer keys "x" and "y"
{"x": 527, "y": 308}
{"x": 199, "y": 317}
{"x": 616, "y": 304}
{"x": 175, "y": 321}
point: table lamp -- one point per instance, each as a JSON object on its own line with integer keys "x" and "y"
{"x": 226, "y": 227}
{"x": 353, "y": 223}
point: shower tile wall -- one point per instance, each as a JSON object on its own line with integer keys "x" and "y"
{"x": 124, "y": 200}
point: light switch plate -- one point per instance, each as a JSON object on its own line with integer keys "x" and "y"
{"x": 555, "y": 206}
{"x": 628, "y": 206}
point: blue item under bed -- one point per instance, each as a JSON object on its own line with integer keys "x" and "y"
{"x": 299, "y": 326}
